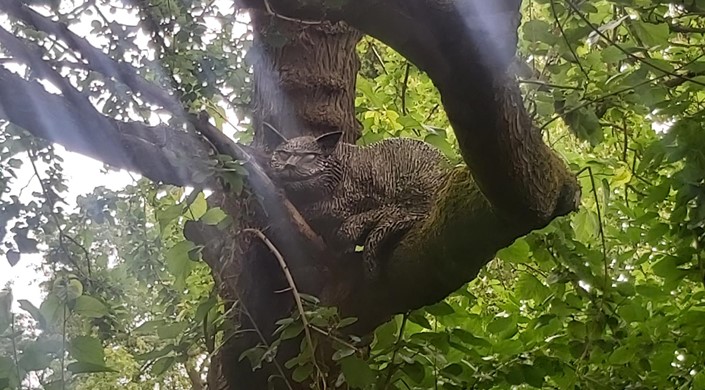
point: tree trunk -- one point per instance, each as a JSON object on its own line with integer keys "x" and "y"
{"x": 304, "y": 85}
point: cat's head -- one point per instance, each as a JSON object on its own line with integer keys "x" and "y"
{"x": 306, "y": 164}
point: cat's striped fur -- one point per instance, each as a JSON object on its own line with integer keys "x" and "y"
{"x": 360, "y": 195}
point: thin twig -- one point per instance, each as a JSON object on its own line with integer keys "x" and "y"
{"x": 334, "y": 338}
{"x": 62, "y": 234}
{"x": 625, "y": 51}
{"x": 393, "y": 366}
{"x": 549, "y": 85}
{"x": 567, "y": 42}
{"x": 404, "y": 86}
{"x": 602, "y": 230}
{"x": 294, "y": 292}
{"x": 63, "y": 348}
{"x": 263, "y": 340}
{"x": 14, "y": 348}
{"x": 270, "y": 11}
{"x": 378, "y": 57}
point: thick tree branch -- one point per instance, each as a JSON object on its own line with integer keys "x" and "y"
{"x": 160, "y": 153}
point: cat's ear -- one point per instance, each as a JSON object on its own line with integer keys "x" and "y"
{"x": 329, "y": 141}
{"x": 274, "y": 134}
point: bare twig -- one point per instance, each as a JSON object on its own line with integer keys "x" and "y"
{"x": 625, "y": 51}
{"x": 567, "y": 42}
{"x": 270, "y": 11}
{"x": 295, "y": 293}
{"x": 404, "y": 86}
{"x": 602, "y": 229}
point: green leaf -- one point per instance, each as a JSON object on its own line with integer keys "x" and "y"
{"x": 213, "y": 216}
{"x": 178, "y": 261}
{"x": 89, "y": 307}
{"x": 416, "y": 371}
{"x": 342, "y": 353}
{"x": 171, "y": 331}
{"x": 622, "y": 355}
{"x": 156, "y": 353}
{"x": 699, "y": 380}
{"x": 149, "y": 327}
{"x": 87, "y": 349}
{"x": 539, "y": 31}
{"x": 441, "y": 308}
{"x": 652, "y": 34}
{"x": 586, "y": 225}
{"x": 161, "y": 365}
{"x": 357, "y": 372}
{"x": 518, "y": 252}
{"x": 302, "y": 372}
{"x": 198, "y": 208}
{"x": 529, "y": 287}
{"x": 418, "y": 318}
{"x": 500, "y": 324}
{"x": 385, "y": 335}
{"x": 51, "y": 308}
{"x": 33, "y": 311}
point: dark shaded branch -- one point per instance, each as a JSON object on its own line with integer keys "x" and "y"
{"x": 160, "y": 153}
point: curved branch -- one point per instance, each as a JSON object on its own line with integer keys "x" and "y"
{"x": 160, "y": 153}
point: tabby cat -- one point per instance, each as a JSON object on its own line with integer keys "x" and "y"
{"x": 359, "y": 195}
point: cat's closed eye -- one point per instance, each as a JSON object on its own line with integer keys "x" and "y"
{"x": 282, "y": 155}
{"x": 308, "y": 157}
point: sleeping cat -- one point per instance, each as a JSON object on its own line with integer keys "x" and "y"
{"x": 359, "y": 195}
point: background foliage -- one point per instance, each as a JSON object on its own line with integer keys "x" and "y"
{"x": 609, "y": 297}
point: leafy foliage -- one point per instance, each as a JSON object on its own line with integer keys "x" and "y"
{"x": 611, "y": 296}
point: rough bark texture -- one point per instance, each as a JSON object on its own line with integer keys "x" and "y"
{"x": 306, "y": 84}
